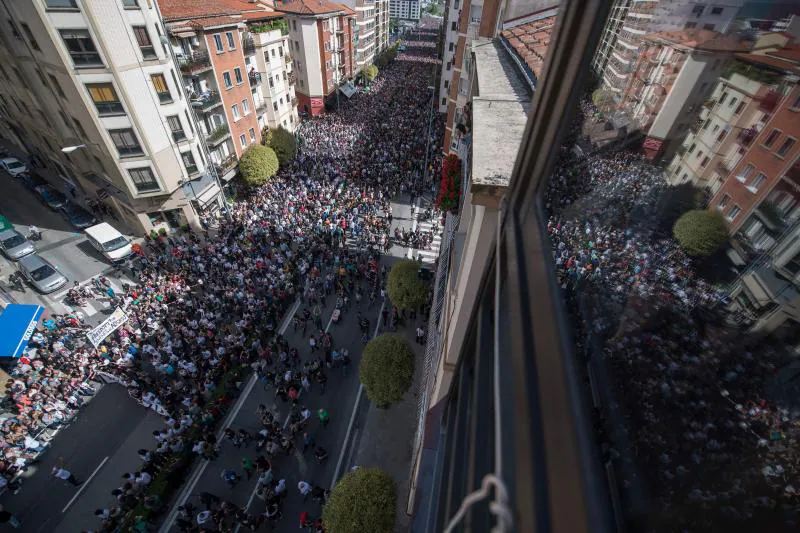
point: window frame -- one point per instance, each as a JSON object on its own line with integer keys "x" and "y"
{"x": 129, "y": 151}
{"x": 165, "y": 97}
{"x": 769, "y": 140}
{"x": 781, "y": 152}
{"x": 219, "y": 45}
{"x": 237, "y": 75}
{"x": 252, "y": 133}
{"x": 178, "y": 134}
{"x": 245, "y": 107}
{"x": 82, "y": 40}
{"x": 758, "y": 181}
{"x": 235, "y": 113}
{"x": 243, "y": 140}
{"x": 73, "y": 5}
{"x": 105, "y": 108}
{"x": 153, "y": 180}
{"x": 230, "y": 40}
{"x": 189, "y": 162}
{"x": 147, "y": 49}
{"x": 227, "y": 81}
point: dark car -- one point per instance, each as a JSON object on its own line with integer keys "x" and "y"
{"x": 77, "y": 216}
{"x": 51, "y": 197}
{"x": 32, "y": 181}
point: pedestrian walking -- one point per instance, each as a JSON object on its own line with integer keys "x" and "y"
{"x": 420, "y": 335}
{"x": 324, "y": 417}
{"x": 66, "y": 475}
{"x": 305, "y": 489}
{"x": 248, "y": 466}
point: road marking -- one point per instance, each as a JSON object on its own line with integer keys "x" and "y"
{"x": 84, "y": 485}
{"x": 195, "y": 477}
{"x": 414, "y": 222}
{"x": 355, "y": 411}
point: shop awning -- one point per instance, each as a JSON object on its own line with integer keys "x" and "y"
{"x": 17, "y": 323}
{"x": 347, "y": 89}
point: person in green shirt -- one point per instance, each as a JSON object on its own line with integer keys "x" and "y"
{"x": 324, "y": 417}
{"x": 248, "y": 466}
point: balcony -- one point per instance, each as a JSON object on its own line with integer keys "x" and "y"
{"x": 218, "y": 135}
{"x": 770, "y": 101}
{"x": 292, "y": 78}
{"x": 206, "y": 101}
{"x": 255, "y": 79}
{"x": 724, "y": 167}
{"x": 261, "y": 108}
{"x": 746, "y": 136}
{"x": 226, "y": 166}
{"x": 178, "y": 135}
{"x": 293, "y": 101}
{"x": 248, "y": 46}
{"x": 288, "y": 59}
{"x": 195, "y": 63}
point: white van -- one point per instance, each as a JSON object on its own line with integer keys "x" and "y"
{"x": 109, "y": 242}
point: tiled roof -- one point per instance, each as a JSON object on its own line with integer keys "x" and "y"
{"x": 347, "y": 9}
{"x": 530, "y": 41}
{"x": 309, "y": 7}
{"x": 261, "y": 15}
{"x": 701, "y": 40}
{"x": 215, "y": 22}
{"x": 790, "y": 53}
{"x": 770, "y": 61}
{"x": 192, "y": 9}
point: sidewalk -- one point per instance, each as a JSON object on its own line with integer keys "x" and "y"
{"x": 388, "y": 434}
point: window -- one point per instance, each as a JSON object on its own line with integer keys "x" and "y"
{"x": 235, "y": 112}
{"x": 297, "y": 45}
{"x": 734, "y": 212}
{"x": 705, "y": 162}
{"x": 739, "y": 108}
{"x": 245, "y": 107}
{"x": 699, "y": 154}
{"x": 231, "y": 43}
{"x": 757, "y": 182}
{"x": 716, "y": 10}
{"x": 61, "y": 4}
{"x": 444, "y": 101}
{"x": 218, "y": 42}
{"x": 272, "y": 52}
{"x": 453, "y": 26}
{"x": 722, "y": 98}
{"x": 771, "y": 138}
{"x": 271, "y": 81}
{"x": 226, "y": 79}
{"x": 105, "y": 99}
{"x": 294, "y": 25}
{"x": 29, "y": 35}
{"x": 280, "y": 51}
{"x": 145, "y": 44}
{"x": 691, "y": 148}
{"x": 706, "y": 123}
{"x": 126, "y": 142}
{"x": 252, "y": 135}
{"x": 446, "y": 83}
{"x": 724, "y": 201}
{"x": 243, "y": 140}
{"x": 176, "y": 128}
{"x": 785, "y": 147}
{"x": 274, "y": 106}
{"x": 685, "y": 176}
{"x": 698, "y": 9}
{"x": 188, "y": 162}
{"x": 709, "y": 27}
{"x": 450, "y": 47}
{"x": 796, "y": 104}
{"x": 160, "y": 84}
{"x": 732, "y": 102}
{"x": 81, "y": 48}
{"x": 54, "y": 82}
{"x": 130, "y": 3}
{"x": 143, "y": 179}
{"x": 237, "y": 72}
{"x": 715, "y": 129}
{"x": 690, "y": 25}
{"x": 746, "y": 172}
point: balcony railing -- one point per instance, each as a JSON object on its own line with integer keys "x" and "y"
{"x": 292, "y": 78}
{"x": 255, "y": 78}
{"x": 206, "y": 101}
{"x": 724, "y": 167}
{"x": 287, "y": 58}
{"x": 195, "y": 62}
{"x": 746, "y": 136}
{"x": 293, "y": 101}
{"x": 226, "y": 165}
{"x": 248, "y": 46}
{"x": 219, "y": 133}
{"x": 178, "y": 135}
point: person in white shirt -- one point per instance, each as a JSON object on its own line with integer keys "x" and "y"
{"x": 305, "y": 489}
{"x": 66, "y": 475}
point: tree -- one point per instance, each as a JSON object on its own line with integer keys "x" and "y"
{"x": 386, "y": 369}
{"x": 283, "y": 142}
{"x": 370, "y": 72}
{"x": 406, "y": 290}
{"x": 363, "y": 500}
{"x": 258, "y": 164}
{"x": 701, "y": 232}
{"x": 676, "y": 201}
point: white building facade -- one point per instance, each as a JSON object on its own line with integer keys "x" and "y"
{"x": 404, "y": 9}
{"x": 97, "y": 75}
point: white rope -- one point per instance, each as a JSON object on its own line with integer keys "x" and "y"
{"x": 499, "y": 507}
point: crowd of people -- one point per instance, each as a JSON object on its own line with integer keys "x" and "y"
{"x": 713, "y": 448}
{"x": 205, "y": 307}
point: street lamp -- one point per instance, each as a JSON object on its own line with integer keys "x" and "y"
{"x": 70, "y": 149}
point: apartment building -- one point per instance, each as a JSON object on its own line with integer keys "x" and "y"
{"x": 366, "y": 34}
{"x": 322, "y": 45}
{"x": 216, "y": 57}
{"x": 404, "y": 9}
{"x": 485, "y": 19}
{"x": 95, "y": 78}
{"x": 270, "y": 70}
{"x": 382, "y": 25}
{"x": 672, "y": 76}
{"x": 631, "y": 20}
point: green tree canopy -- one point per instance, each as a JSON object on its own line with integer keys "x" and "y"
{"x": 283, "y": 142}
{"x": 370, "y": 72}
{"x": 386, "y": 369}
{"x": 406, "y": 290}
{"x": 258, "y": 164}
{"x": 701, "y": 232}
{"x": 363, "y": 500}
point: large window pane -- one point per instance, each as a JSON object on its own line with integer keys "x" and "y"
{"x": 81, "y": 48}
{"x": 143, "y": 179}
{"x": 105, "y": 98}
{"x": 126, "y": 142}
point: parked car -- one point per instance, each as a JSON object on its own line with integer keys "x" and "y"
{"x": 13, "y": 166}
{"x": 44, "y": 277}
{"x": 51, "y": 197}
{"x": 14, "y": 245}
{"x": 32, "y": 181}
{"x": 77, "y": 216}
{"x": 109, "y": 241}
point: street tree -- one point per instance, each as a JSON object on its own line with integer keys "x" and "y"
{"x": 370, "y": 72}
{"x": 258, "y": 164}
{"x": 363, "y": 500}
{"x": 701, "y": 232}
{"x": 386, "y": 369}
{"x": 283, "y": 142}
{"x": 405, "y": 287}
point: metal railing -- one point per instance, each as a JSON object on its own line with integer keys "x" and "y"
{"x": 194, "y": 62}
{"x": 248, "y": 46}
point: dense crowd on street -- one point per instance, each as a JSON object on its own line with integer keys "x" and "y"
{"x": 713, "y": 447}
{"x": 204, "y": 306}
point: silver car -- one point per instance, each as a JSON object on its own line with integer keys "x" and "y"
{"x": 42, "y": 275}
{"x": 14, "y": 245}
